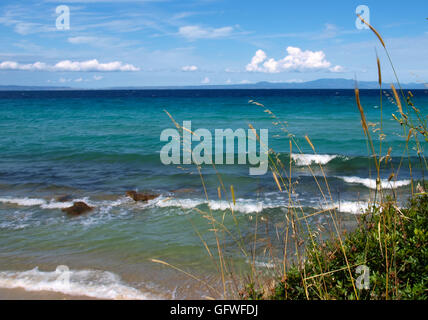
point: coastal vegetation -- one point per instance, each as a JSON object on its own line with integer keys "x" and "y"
{"x": 384, "y": 256}
{"x": 389, "y": 241}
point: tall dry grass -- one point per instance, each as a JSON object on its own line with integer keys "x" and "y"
{"x": 296, "y": 232}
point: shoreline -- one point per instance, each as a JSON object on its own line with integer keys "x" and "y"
{"x": 22, "y": 294}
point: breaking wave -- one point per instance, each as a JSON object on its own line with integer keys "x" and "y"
{"x": 354, "y": 207}
{"x": 308, "y": 159}
{"x": 246, "y": 206}
{"x": 371, "y": 183}
{"x": 52, "y": 204}
{"x": 241, "y": 205}
{"x": 90, "y": 283}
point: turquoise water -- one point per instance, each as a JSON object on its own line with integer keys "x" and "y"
{"x": 96, "y": 145}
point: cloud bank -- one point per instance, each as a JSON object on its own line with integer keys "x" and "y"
{"x": 70, "y": 66}
{"x": 295, "y": 60}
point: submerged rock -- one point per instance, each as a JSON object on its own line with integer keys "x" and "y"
{"x": 78, "y": 208}
{"x": 141, "y": 196}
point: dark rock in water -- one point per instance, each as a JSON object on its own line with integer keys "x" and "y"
{"x": 141, "y": 196}
{"x": 78, "y": 208}
{"x": 64, "y": 198}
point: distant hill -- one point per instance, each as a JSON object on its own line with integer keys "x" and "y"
{"x": 314, "y": 84}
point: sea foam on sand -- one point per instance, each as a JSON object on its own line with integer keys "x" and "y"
{"x": 91, "y": 283}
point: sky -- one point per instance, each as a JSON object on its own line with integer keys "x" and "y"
{"x": 106, "y": 43}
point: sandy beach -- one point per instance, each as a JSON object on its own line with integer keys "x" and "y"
{"x": 22, "y": 294}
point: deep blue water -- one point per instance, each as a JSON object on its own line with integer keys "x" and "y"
{"x": 96, "y": 145}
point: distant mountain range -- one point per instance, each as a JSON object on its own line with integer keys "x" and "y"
{"x": 315, "y": 84}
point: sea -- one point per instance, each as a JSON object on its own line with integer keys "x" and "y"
{"x": 95, "y": 145}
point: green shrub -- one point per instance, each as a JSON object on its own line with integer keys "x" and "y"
{"x": 391, "y": 242}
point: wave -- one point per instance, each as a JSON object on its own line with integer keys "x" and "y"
{"x": 17, "y": 219}
{"x": 24, "y": 201}
{"x": 340, "y": 162}
{"x": 241, "y": 205}
{"x": 90, "y": 283}
{"x": 246, "y": 206}
{"x": 354, "y": 207}
{"x": 261, "y": 264}
{"x": 52, "y": 204}
{"x": 371, "y": 183}
{"x": 252, "y": 206}
{"x": 308, "y": 159}
{"x": 174, "y": 202}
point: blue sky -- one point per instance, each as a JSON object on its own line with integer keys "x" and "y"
{"x": 150, "y": 42}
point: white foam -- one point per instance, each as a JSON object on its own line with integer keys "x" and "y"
{"x": 27, "y": 202}
{"x": 241, "y": 205}
{"x": 90, "y": 283}
{"x": 13, "y": 225}
{"x": 308, "y": 159}
{"x": 174, "y": 202}
{"x": 371, "y": 183}
{"x": 106, "y": 205}
{"x": 355, "y": 207}
{"x": 246, "y": 206}
{"x": 261, "y": 264}
{"x": 52, "y": 204}
{"x": 56, "y": 205}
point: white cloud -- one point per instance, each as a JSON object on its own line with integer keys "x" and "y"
{"x": 82, "y": 40}
{"x": 258, "y": 58}
{"x": 93, "y": 65}
{"x": 189, "y": 68}
{"x": 197, "y": 32}
{"x": 205, "y": 80}
{"x": 296, "y": 60}
{"x": 64, "y": 80}
{"x": 330, "y": 31}
{"x": 22, "y": 20}
{"x": 70, "y": 66}
{"x": 336, "y": 69}
{"x": 12, "y": 65}
{"x": 80, "y": 79}
{"x": 102, "y": 42}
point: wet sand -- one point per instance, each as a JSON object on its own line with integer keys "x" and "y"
{"x": 21, "y": 294}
